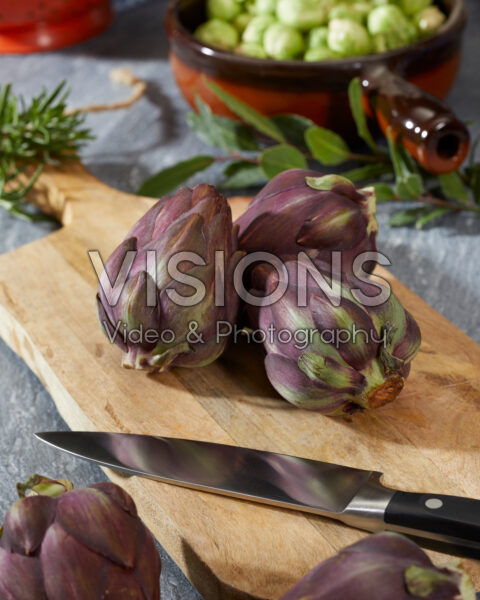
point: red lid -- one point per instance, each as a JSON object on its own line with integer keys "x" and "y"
{"x": 38, "y": 25}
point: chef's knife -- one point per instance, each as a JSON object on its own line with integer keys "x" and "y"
{"x": 354, "y": 496}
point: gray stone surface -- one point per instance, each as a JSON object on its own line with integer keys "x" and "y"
{"x": 440, "y": 264}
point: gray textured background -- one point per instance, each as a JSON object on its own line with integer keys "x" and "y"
{"x": 441, "y": 264}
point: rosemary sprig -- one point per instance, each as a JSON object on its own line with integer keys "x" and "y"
{"x": 31, "y": 136}
{"x": 258, "y": 148}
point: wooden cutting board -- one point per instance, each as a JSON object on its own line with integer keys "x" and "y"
{"x": 427, "y": 440}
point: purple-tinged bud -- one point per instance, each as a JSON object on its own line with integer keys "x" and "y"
{"x": 380, "y": 567}
{"x": 150, "y": 311}
{"x": 333, "y": 355}
{"x": 302, "y": 211}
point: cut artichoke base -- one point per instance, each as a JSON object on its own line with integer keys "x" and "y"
{"x": 382, "y": 388}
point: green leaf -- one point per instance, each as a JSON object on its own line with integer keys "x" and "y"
{"x": 241, "y": 174}
{"x": 407, "y": 217}
{"x": 326, "y": 146}
{"x": 430, "y": 216}
{"x": 280, "y": 158}
{"x": 408, "y": 181}
{"x": 368, "y": 172}
{"x": 472, "y": 172}
{"x": 420, "y": 216}
{"x": 247, "y": 113}
{"x": 473, "y": 175}
{"x": 355, "y": 95}
{"x": 221, "y": 132}
{"x": 397, "y": 162}
{"x": 410, "y": 187}
{"x": 167, "y": 180}
{"x": 293, "y": 128}
{"x": 453, "y": 187}
{"x": 384, "y": 192}
{"x": 326, "y": 182}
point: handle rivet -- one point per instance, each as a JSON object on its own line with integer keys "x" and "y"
{"x": 433, "y": 503}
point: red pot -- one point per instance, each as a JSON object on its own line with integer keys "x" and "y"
{"x": 402, "y": 87}
{"x": 36, "y": 25}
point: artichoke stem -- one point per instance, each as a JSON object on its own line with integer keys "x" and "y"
{"x": 386, "y": 392}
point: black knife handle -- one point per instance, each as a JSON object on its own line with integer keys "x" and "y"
{"x": 443, "y": 516}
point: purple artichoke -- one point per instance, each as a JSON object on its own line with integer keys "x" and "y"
{"x": 335, "y": 359}
{"x": 156, "y": 330}
{"x": 302, "y": 211}
{"x": 385, "y": 566}
{"x": 59, "y": 544}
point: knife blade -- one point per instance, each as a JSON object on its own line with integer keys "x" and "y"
{"x": 356, "y": 497}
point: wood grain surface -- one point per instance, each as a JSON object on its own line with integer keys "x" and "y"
{"x": 427, "y": 440}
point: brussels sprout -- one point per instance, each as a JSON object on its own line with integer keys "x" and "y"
{"x": 387, "y": 19}
{"x": 344, "y": 11}
{"x": 410, "y": 7}
{"x": 429, "y": 19}
{"x": 363, "y": 9}
{"x": 262, "y": 7}
{"x": 254, "y": 50}
{"x": 319, "y": 53}
{"x": 226, "y": 10}
{"x": 302, "y": 14}
{"x": 255, "y": 30}
{"x": 317, "y": 38}
{"x": 390, "y": 28}
{"x": 348, "y": 38}
{"x": 382, "y": 42}
{"x": 217, "y": 33}
{"x": 241, "y": 21}
{"x": 282, "y": 42}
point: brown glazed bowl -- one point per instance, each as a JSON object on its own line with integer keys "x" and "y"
{"x": 402, "y": 87}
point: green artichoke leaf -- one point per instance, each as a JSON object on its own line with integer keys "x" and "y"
{"x": 422, "y": 582}
{"x": 327, "y": 182}
{"x": 327, "y": 371}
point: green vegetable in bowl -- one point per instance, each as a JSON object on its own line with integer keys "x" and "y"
{"x": 241, "y": 21}
{"x": 226, "y": 10}
{"x": 387, "y": 19}
{"x": 341, "y": 28}
{"x": 263, "y": 7}
{"x": 348, "y": 38}
{"x": 283, "y": 42}
{"x": 255, "y": 30}
{"x": 390, "y": 28}
{"x": 382, "y": 42}
{"x": 317, "y": 38}
{"x": 319, "y": 53}
{"x": 217, "y": 33}
{"x": 302, "y": 14}
{"x": 429, "y": 19}
{"x": 410, "y": 7}
{"x": 363, "y": 9}
{"x": 345, "y": 11}
{"x": 253, "y": 50}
